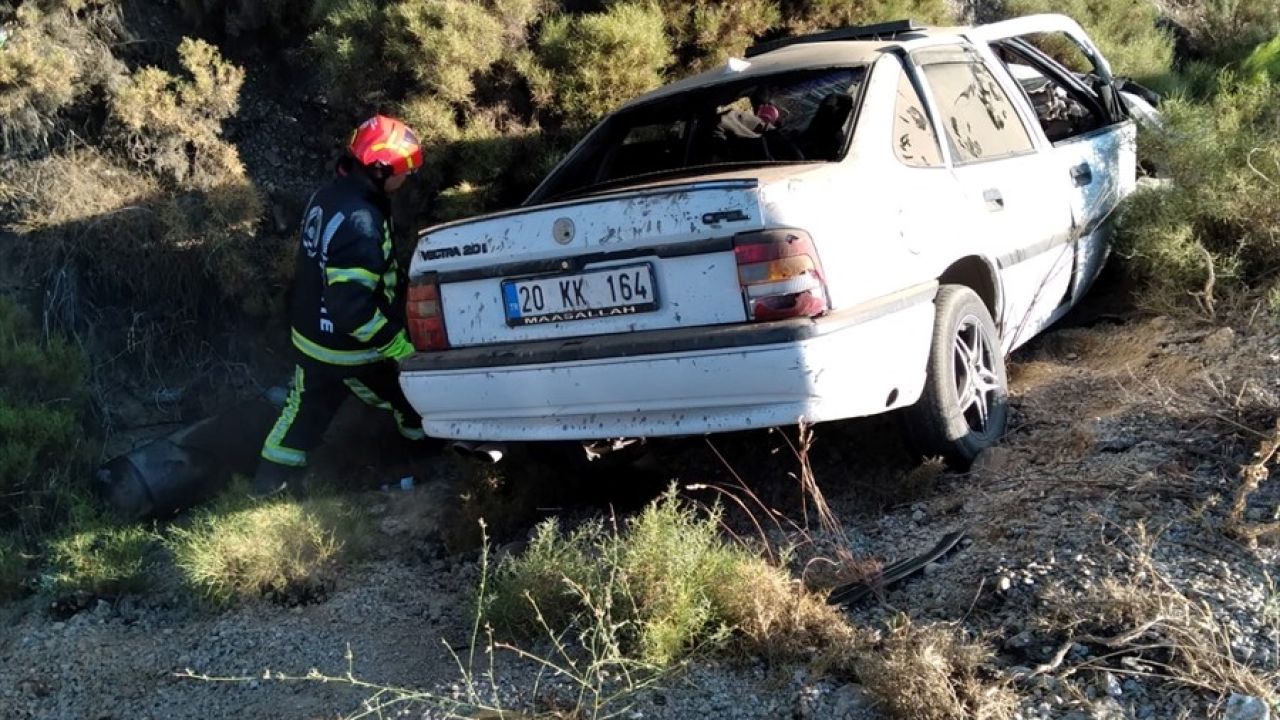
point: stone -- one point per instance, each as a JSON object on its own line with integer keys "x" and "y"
{"x": 849, "y": 701}
{"x": 1246, "y": 707}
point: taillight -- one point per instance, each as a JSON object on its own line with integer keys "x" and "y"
{"x": 780, "y": 275}
{"x": 425, "y": 315}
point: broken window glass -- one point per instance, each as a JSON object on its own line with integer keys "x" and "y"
{"x": 785, "y": 118}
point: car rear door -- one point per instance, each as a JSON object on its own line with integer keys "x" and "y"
{"x": 1017, "y": 206}
{"x": 1068, "y": 83}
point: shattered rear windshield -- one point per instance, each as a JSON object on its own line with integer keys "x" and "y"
{"x": 792, "y": 117}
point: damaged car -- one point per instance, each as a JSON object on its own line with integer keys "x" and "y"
{"x": 837, "y": 225}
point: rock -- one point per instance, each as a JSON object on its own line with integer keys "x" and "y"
{"x": 1111, "y": 685}
{"x": 991, "y": 461}
{"x": 931, "y": 568}
{"x": 1246, "y": 707}
{"x": 849, "y": 701}
{"x": 1219, "y": 340}
{"x": 917, "y": 516}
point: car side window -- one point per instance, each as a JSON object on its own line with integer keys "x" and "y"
{"x": 980, "y": 120}
{"x": 914, "y": 140}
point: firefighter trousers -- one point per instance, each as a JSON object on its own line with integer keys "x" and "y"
{"x": 318, "y": 390}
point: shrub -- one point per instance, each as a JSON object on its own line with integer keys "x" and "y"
{"x": 1214, "y": 229}
{"x": 813, "y": 15}
{"x": 347, "y": 45}
{"x": 239, "y": 549}
{"x": 42, "y": 399}
{"x": 96, "y": 557}
{"x": 932, "y": 672}
{"x": 1263, "y": 62}
{"x": 670, "y": 582}
{"x": 172, "y": 124}
{"x": 177, "y": 255}
{"x": 443, "y": 43}
{"x": 38, "y": 77}
{"x": 713, "y": 30}
{"x": 13, "y": 568}
{"x": 1125, "y": 31}
{"x": 597, "y": 61}
{"x": 1223, "y": 30}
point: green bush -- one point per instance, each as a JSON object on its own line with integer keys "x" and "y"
{"x": 13, "y": 567}
{"x": 94, "y": 556}
{"x": 1219, "y": 218}
{"x": 173, "y": 124}
{"x": 669, "y": 582}
{"x": 239, "y": 549}
{"x": 597, "y": 61}
{"x": 347, "y": 45}
{"x": 443, "y": 43}
{"x": 1125, "y": 31}
{"x": 710, "y": 31}
{"x": 42, "y": 402}
{"x": 1224, "y": 30}
{"x": 814, "y": 15}
{"x": 1264, "y": 61}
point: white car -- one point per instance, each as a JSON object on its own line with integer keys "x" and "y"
{"x": 839, "y": 225}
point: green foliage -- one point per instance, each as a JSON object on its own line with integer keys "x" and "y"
{"x": 42, "y": 400}
{"x": 1216, "y": 227}
{"x": 173, "y": 124}
{"x": 598, "y": 61}
{"x": 94, "y": 556}
{"x": 814, "y": 15}
{"x": 1225, "y": 30}
{"x": 1264, "y": 61}
{"x": 669, "y": 580}
{"x": 13, "y": 567}
{"x": 712, "y": 30}
{"x": 238, "y": 548}
{"x": 443, "y": 43}
{"x": 348, "y": 49}
{"x": 1124, "y": 30}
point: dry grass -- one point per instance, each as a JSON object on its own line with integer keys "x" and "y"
{"x": 934, "y": 672}
{"x": 1143, "y": 626}
{"x": 238, "y": 549}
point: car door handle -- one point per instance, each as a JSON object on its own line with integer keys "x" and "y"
{"x": 994, "y": 199}
{"x": 1082, "y": 175}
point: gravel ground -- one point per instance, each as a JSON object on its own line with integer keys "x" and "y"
{"x": 1116, "y": 427}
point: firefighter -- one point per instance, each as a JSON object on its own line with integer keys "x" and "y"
{"x": 348, "y": 302}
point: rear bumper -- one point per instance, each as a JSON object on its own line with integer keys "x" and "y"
{"x": 853, "y": 363}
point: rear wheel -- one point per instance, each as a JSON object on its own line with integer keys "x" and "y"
{"x": 964, "y": 407}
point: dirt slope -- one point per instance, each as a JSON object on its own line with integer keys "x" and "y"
{"x": 1118, "y": 471}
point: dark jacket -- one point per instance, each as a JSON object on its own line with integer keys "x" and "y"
{"x": 348, "y": 296}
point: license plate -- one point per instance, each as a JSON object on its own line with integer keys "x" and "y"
{"x": 612, "y": 292}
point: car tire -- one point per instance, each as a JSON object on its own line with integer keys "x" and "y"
{"x": 965, "y": 404}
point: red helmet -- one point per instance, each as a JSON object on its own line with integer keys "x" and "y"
{"x": 386, "y": 142}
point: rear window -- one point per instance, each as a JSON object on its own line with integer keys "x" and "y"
{"x": 795, "y": 117}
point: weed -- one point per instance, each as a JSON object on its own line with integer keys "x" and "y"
{"x": 42, "y": 402}
{"x": 239, "y": 549}
{"x": 933, "y": 672}
{"x": 1252, "y": 476}
{"x": 93, "y": 556}
{"x": 672, "y": 578}
{"x": 13, "y": 567}
{"x": 1149, "y": 629}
